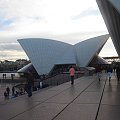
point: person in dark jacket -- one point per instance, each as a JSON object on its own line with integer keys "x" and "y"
{"x": 109, "y": 72}
{"x": 8, "y": 91}
{"x": 118, "y": 72}
{"x": 5, "y": 95}
{"x": 98, "y": 71}
{"x": 13, "y": 90}
{"x": 29, "y": 85}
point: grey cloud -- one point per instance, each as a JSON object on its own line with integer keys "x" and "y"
{"x": 36, "y": 18}
{"x": 3, "y": 55}
{"x": 8, "y": 39}
{"x": 10, "y": 47}
{"x": 88, "y": 12}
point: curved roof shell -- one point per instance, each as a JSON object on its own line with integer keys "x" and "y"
{"x": 110, "y": 10}
{"x": 45, "y": 53}
{"x": 86, "y": 50}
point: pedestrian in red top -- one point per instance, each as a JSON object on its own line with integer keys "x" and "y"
{"x": 72, "y": 74}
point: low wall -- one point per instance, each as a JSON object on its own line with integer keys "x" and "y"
{"x": 58, "y": 79}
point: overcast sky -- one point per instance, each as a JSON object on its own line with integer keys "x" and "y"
{"x": 69, "y": 21}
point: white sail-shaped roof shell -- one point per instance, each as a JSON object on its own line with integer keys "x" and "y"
{"x": 87, "y": 49}
{"x": 45, "y": 53}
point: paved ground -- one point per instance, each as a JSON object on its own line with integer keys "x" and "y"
{"x": 87, "y": 99}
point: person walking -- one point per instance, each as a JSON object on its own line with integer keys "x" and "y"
{"x": 98, "y": 71}
{"x": 8, "y": 91}
{"x": 29, "y": 83}
{"x": 3, "y": 76}
{"x": 13, "y": 91}
{"x": 118, "y": 72}
{"x": 5, "y": 95}
{"x": 109, "y": 72}
{"x": 72, "y": 74}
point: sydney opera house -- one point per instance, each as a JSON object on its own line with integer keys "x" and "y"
{"x": 46, "y": 54}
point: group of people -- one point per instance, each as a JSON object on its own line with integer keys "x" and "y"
{"x": 4, "y": 76}
{"x": 30, "y": 79}
{"x": 109, "y": 70}
{"x": 15, "y": 93}
{"x": 28, "y": 87}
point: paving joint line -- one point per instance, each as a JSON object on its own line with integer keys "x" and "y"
{"x": 72, "y": 101}
{"x": 100, "y": 100}
{"x": 39, "y": 103}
